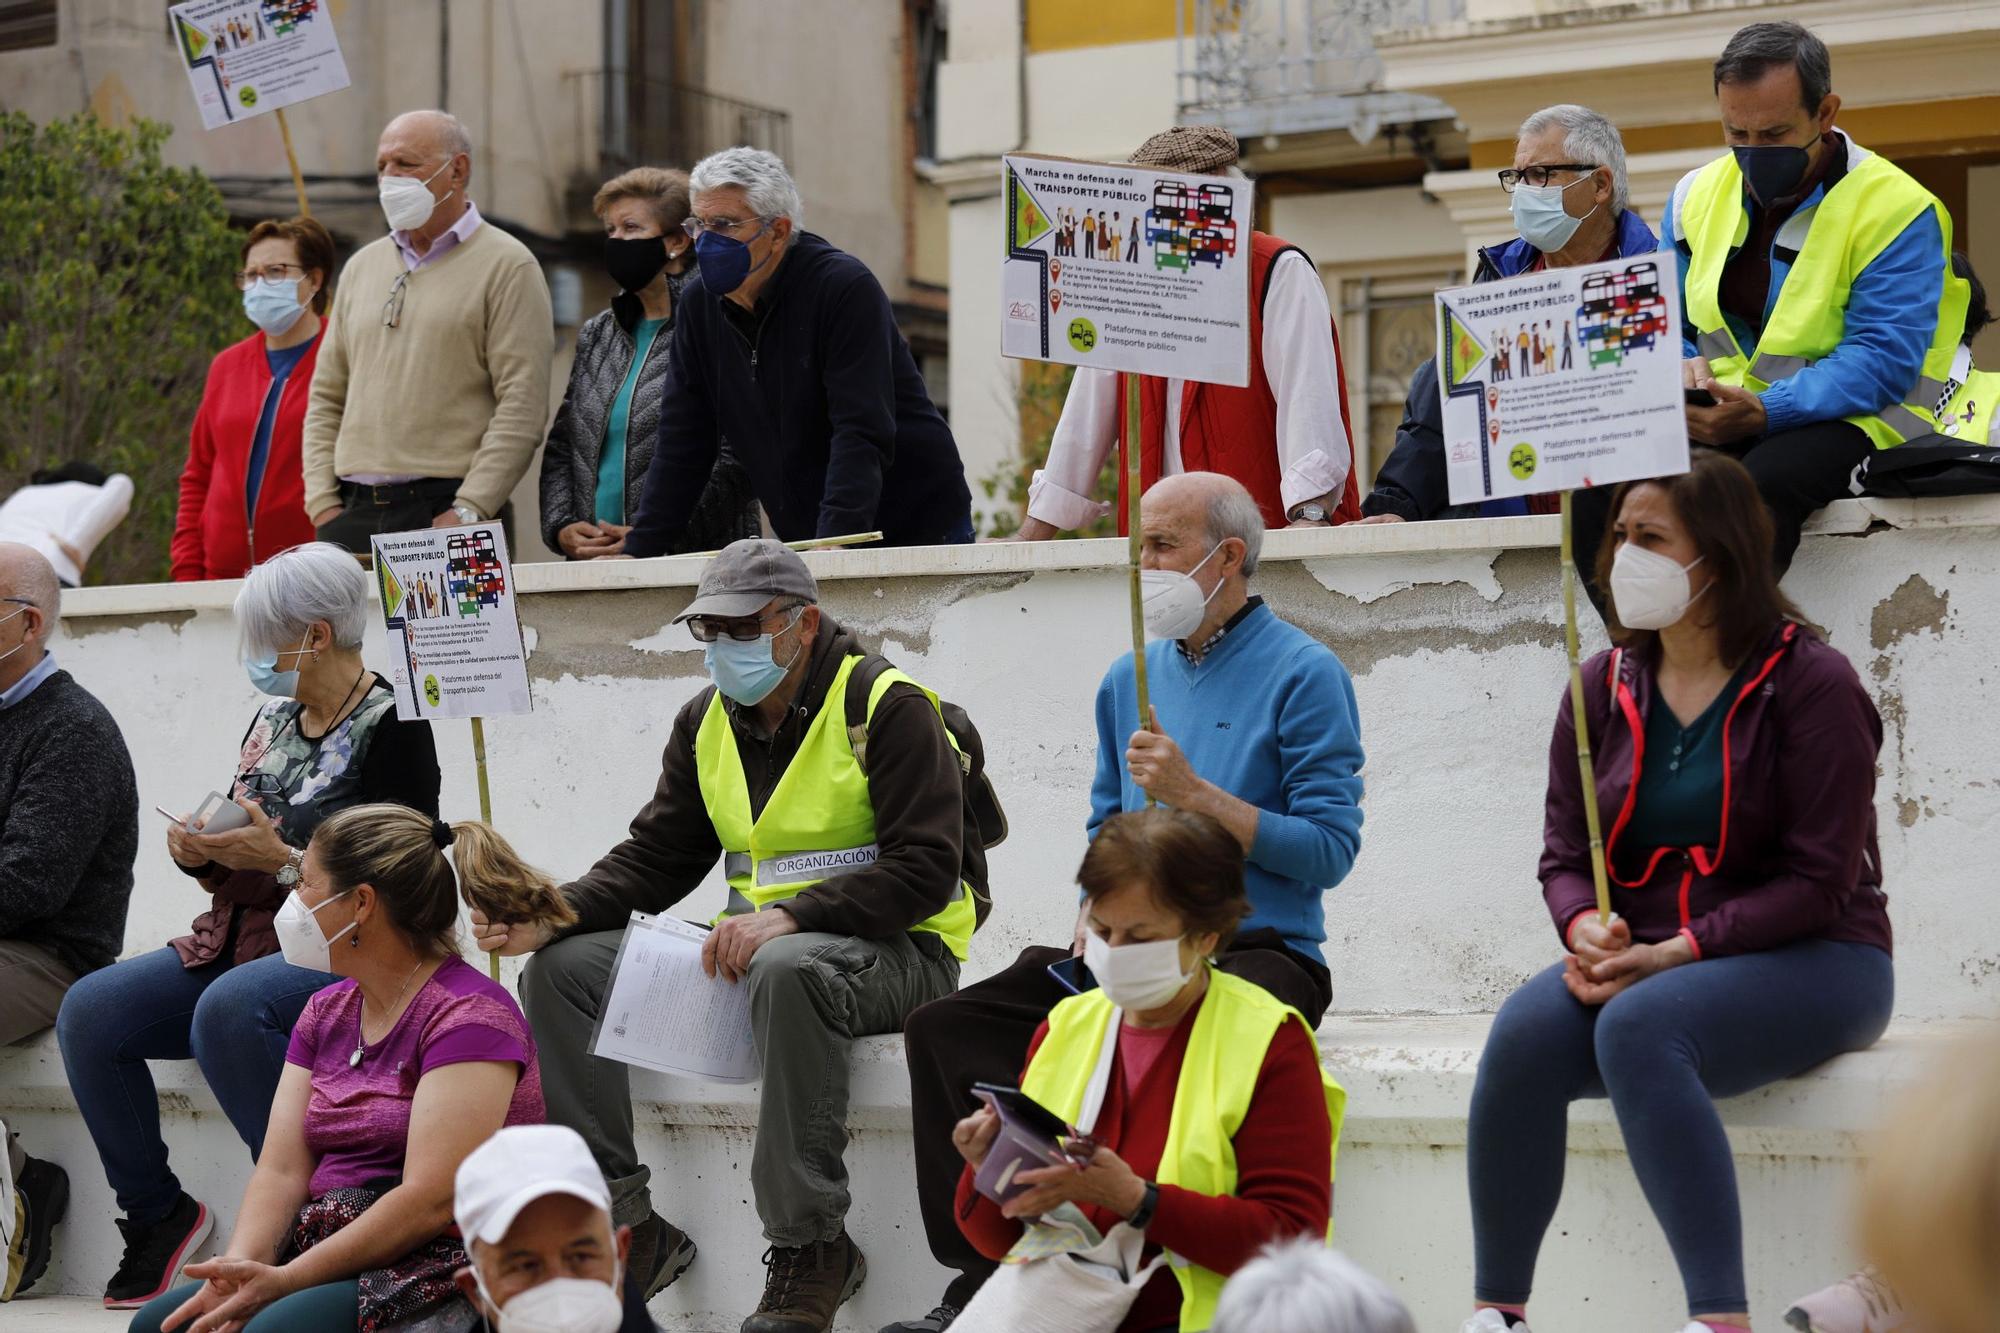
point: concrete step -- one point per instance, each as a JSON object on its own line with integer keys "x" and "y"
{"x": 41, "y": 1312}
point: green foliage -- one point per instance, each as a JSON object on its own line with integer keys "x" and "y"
{"x": 114, "y": 297}
{"x": 1044, "y": 385}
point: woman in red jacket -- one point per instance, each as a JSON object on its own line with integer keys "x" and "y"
{"x": 243, "y": 492}
{"x": 1255, "y": 1141}
{"x": 1750, "y": 941}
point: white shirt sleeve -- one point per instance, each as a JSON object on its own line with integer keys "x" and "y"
{"x": 1313, "y": 447}
{"x": 1061, "y": 492}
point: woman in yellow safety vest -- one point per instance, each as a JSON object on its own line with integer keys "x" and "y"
{"x": 1216, "y": 1128}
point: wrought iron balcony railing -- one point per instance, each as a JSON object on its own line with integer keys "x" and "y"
{"x": 630, "y": 119}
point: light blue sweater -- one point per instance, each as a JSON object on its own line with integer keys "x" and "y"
{"x": 1269, "y": 717}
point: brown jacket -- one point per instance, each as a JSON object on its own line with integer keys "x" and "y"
{"x": 913, "y": 780}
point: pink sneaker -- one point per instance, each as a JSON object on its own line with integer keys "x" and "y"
{"x": 1863, "y": 1303}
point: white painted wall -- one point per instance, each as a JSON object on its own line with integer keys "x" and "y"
{"x": 985, "y": 418}
{"x": 1451, "y": 632}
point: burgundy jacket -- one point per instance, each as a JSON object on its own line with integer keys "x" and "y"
{"x": 1797, "y": 858}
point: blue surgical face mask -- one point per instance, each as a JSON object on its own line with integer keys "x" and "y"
{"x": 725, "y": 261}
{"x": 1543, "y": 221}
{"x": 273, "y": 306}
{"x": 264, "y": 674}
{"x": 745, "y": 670}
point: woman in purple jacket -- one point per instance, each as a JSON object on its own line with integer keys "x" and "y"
{"x": 1750, "y": 940}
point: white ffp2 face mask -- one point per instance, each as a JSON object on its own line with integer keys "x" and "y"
{"x": 561, "y": 1305}
{"x": 1649, "y": 590}
{"x": 1135, "y": 977}
{"x": 1174, "y": 603}
{"x": 406, "y": 201}
{"x": 300, "y": 939}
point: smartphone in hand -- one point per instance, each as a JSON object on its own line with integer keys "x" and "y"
{"x": 1073, "y": 976}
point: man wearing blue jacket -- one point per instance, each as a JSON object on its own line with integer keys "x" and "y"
{"x": 787, "y": 347}
{"x": 1253, "y": 724}
{"x": 1818, "y": 302}
{"x": 1568, "y": 194}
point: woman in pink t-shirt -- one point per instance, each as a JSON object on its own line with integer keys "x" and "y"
{"x": 394, "y": 1075}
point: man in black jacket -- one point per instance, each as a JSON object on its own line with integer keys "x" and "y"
{"x": 787, "y": 347}
{"x": 69, "y": 831}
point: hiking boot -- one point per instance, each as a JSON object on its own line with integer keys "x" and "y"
{"x": 804, "y": 1285}
{"x": 1862, "y": 1303}
{"x": 937, "y": 1321}
{"x": 42, "y": 1191}
{"x": 661, "y": 1252}
{"x": 155, "y": 1253}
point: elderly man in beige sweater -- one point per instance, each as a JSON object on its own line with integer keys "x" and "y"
{"x": 432, "y": 388}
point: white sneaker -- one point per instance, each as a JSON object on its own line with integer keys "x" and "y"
{"x": 1861, "y": 1303}
{"x": 1490, "y": 1320}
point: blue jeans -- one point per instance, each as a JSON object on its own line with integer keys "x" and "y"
{"x": 333, "y": 1307}
{"x": 235, "y": 1021}
{"x": 1662, "y": 1051}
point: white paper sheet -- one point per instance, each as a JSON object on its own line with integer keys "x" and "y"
{"x": 662, "y": 1012}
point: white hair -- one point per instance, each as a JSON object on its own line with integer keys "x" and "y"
{"x": 1301, "y": 1286}
{"x": 296, "y": 589}
{"x": 1587, "y": 137}
{"x": 1232, "y": 513}
{"x": 762, "y": 176}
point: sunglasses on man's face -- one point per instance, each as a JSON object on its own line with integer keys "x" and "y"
{"x": 707, "y": 629}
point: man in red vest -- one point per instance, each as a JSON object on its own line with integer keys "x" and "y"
{"x": 1284, "y": 435}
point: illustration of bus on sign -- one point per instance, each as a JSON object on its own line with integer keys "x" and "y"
{"x": 1621, "y": 313}
{"x": 472, "y": 568}
{"x": 1191, "y": 224}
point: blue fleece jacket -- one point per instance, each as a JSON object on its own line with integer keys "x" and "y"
{"x": 1268, "y": 716}
{"x": 1892, "y": 312}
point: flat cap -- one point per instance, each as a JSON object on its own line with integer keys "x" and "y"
{"x": 1203, "y": 149}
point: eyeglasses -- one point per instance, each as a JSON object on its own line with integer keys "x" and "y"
{"x": 269, "y": 273}
{"x": 1538, "y": 176}
{"x": 743, "y": 629}
{"x": 392, "y": 309}
{"x": 694, "y": 226}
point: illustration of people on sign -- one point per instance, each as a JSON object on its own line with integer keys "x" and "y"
{"x": 1565, "y": 345}
{"x": 1089, "y": 235}
{"x": 1498, "y": 371}
{"x": 1521, "y": 346}
{"x": 1132, "y": 247}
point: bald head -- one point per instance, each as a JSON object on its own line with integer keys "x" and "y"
{"x": 1208, "y": 508}
{"x": 438, "y": 134}
{"x": 26, "y": 574}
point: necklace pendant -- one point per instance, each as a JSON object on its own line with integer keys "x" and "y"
{"x": 354, "y": 1060}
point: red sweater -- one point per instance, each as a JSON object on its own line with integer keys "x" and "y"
{"x": 1282, "y": 1187}
{"x": 213, "y": 538}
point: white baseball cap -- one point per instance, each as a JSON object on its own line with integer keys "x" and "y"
{"x": 517, "y": 1166}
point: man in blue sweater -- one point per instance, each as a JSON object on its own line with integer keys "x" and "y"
{"x": 1254, "y": 725}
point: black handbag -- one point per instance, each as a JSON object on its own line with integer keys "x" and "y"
{"x": 1931, "y": 465}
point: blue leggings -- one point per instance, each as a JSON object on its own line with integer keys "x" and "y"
{"x": 1662, "y": 1051}
{"x": 234, "y": 1021}
{"x": 332, "y": 1308}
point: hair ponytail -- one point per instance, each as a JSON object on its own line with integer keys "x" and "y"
{"x": 493, "y": 878}
{"x": 397, "y": 852}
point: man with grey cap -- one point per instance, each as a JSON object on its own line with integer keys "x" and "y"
{"x": 1284, "y": 435}
{"x": 537, "y": 1223}
{"x": 853, "y": 894}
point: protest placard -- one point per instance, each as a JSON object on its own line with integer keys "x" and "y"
{"x": 1127, "y": 268}
{"x": 1560, "y": 379}
{"x": 247, "y": 57}
{"x": 454, "y": 637}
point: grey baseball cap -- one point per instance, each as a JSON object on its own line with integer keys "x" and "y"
{"x": 748, "y": 574}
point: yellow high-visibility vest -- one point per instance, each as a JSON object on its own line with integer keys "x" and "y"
{"x": 1852, "y": 224}
{"x": 1225, "y": 1053}
{"x": 1968, "y": 413}
{"x": 819, "y": 821}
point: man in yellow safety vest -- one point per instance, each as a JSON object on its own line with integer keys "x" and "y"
{"x": 851, "y": 900}
{"x": 1820, "y": 310}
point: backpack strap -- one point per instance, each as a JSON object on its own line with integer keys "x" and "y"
{"x": 860, "y": 686}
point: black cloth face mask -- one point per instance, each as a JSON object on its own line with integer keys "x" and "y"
{"x": 632, "y": 263}
{"x": 1773, "y": 173}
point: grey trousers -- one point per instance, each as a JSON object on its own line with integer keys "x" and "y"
{"x": 33, "y": 982}
{"x": 811, "y": 996}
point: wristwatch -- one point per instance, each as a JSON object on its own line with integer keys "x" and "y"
{"x": 1312, "y": 511}
{"x": 1147, "y": 1207}
{"x": 288, "y": 873}
{"x": 467, "y": 514}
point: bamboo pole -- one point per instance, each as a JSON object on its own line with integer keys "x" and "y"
{"x": 485, "y": 809}
{"x": 1136, "y": 544}
{"x": 291, "y": 156}
{"x": 1581, "y": 719}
